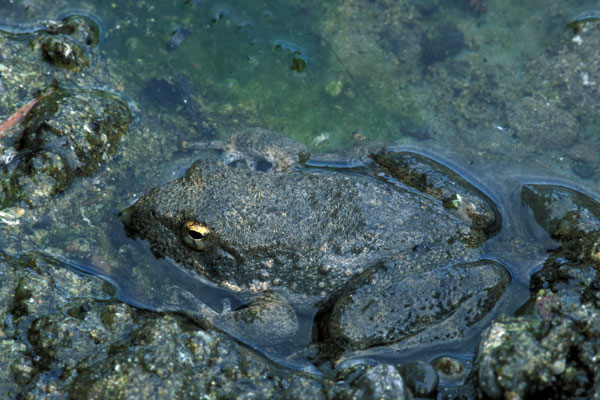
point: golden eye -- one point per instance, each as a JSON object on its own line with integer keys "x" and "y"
{"x": 196, "y": 236}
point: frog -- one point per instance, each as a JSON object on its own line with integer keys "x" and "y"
{"x": 386, "y": 252}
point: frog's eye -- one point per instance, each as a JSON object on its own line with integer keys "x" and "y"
{"x": 196, "y": 236}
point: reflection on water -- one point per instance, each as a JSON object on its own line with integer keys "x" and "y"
{"x": 504, "y": 94}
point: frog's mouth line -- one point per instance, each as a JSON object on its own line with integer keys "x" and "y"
{"x": 219, "y": 263}
{"x": 231, "y": 252}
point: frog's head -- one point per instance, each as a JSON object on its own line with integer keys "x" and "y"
{"x": 233, "y": 226}
{"x": 182, "y": 220}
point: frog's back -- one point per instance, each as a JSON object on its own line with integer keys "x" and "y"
{"x": 306, "y": 208}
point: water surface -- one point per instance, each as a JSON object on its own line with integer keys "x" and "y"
{"x": 445, "y": 78}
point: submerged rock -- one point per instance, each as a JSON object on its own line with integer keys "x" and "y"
{"x": 82, "y": 29}
{"x": 420, "y": 377}
{"x": 542, "y": 124}
{"x": 68, "y": 134}
{"x": 568, "y": 70}
{"x": 445, "y": 42}
{"x": 65, "y": 333}
{"x": 362, "y": 381}
{"x": 177, "y": 38}
{"x": 63, "y": 53}
{"x": 563, "y": 212}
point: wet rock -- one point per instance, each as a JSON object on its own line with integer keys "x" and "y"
{"x": 380, "y": 382}
{"x": 68, "y": 134}
{"x": 351, "y": 371}
{"x": 33, "y": 298}
{"x": 568, "y": 279}
{"x": 551, "y": 350}
{"x": 147, "y": 365}
{"x": 542, "y": 124}
{"x": 420, "y": 377}
{"x": 300, "y": 389}
{"x": 68, "y": 43}
{"x": 568, "y": 216}
{"x": 255, "y": 321}
{"x": 572, "y": 219}
{"x": 81, "y": 29}
{"x": 368, "y": 380}
{"x": 450, "y": 370}
{"x": 64, "y": 333}
{"x": 63, "y": 53}
{"x": 17, "y": 367}
{"x": 551, "y": 353}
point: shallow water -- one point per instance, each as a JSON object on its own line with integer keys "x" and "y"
{"x": 441, "y": 78}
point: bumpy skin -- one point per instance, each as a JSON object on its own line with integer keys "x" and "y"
{"x": 320, "y": 238}
{"x": 456, "y": 194}
{"x": 405, "y": 307}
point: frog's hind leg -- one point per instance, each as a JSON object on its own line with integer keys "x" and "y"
{"x": 420, "y": 310}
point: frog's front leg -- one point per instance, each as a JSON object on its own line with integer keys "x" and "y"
{"x": 382, "y": 307}
{"x": 267, "y": 319}
{"x": 259, "y": 148}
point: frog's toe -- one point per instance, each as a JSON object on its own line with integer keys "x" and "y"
{"x": 266, "y": 319}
